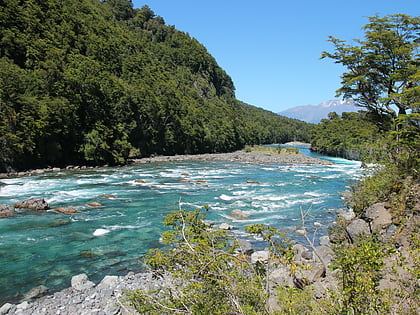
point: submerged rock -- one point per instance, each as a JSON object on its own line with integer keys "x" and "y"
{"x": 6, "y": 211}
{"x": 94, "y": 204}
{"x": 66, "y": 210}
{"x": 35, "y": 293}
{"x": 33, "y": 204}
{"x": 239, "y": 214}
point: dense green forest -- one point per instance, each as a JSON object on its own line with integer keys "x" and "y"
{"x": 99, "y": 82}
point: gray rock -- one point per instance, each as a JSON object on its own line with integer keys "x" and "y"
{"x": 378, "y": 215}
{"x": 326, "y": 254}
{"x": 309, "y": 275}
{"x": 346, "y": 214}
{"x": 281, "y": 277}
{"x": 33, "y": 204}
{"x": 260, "y": 256}
{"x": 245, "y": 247}
{"x": 81, "y": 282}
{"x": 225, "y": 226}
{"x": 5, "y": 308}
{"x": 324, "y": 240}
{"x": 107, "y": 282}
{"x": 357, "y": 228}
{"x": 6, "y": 211}
{"x": 35, "y": 292}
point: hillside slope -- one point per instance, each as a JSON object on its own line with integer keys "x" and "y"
{"x": 98, "y": 82}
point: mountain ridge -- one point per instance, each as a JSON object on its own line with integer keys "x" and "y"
{"x": 314, "y": 113}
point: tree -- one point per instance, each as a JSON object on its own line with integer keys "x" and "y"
{"x": 380, "y": 66}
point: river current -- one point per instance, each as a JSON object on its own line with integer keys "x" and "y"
{"x": 48, "y": 248}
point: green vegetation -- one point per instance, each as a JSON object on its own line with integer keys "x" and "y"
{"x": 99, "y": 82}
{"x": 275, "y": 150}
{"x": 204, "y": 272}
{"x": 376, "y": 273}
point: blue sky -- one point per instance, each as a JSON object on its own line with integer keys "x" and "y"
{"x": 271, "y": 48}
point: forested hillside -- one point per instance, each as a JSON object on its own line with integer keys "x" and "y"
{"x": 98, "y": 82}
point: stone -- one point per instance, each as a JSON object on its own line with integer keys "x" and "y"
{"x": 35, "y": 293}
{"x": 5, "y": 308}
{"x": 22, "y": 306}
{"x": 239, "y": 214}
{"x": 281, "y": 276}
{"x": 260, "y": 256}
{"x": 346, "y": 214}
{"x": 33, "y": 204}
{"x": 252, "y": 182}
{"x": 324, "y": 240}
{"x": 108, "y": 282}
{"x": 6, "y": 211}
{"x": 94, "y": 204}
{"x": 326, "y": 254}
{"x": 245, "y": 246}
{"x": 378, "y": 215}
{"x": 309, "y": 275}
{"x": 357, "y": 228}
{"x": 66, "y": 210}
{"x": 81, "y": 282}
{"x": 225, "y": 226}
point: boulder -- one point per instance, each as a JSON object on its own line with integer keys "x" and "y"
{"x": 324, "y": 240}
{"x": 33, "y": 204}
{"x": 5, "y": 308}
{"x": 81, "y": 282}
{"x": 260, "y": 256}
{"x": 35, "y": 293}
{"x": 280, "y": 276}
{"x": 245, "y": 247}
{"x": 94, "y": 204}
{"x": 108, "y": 282}
{"x": 346, "y": 214}
{"x": 378, "y": 215}
{"x": 357, "y": 228}
{"x": 6, "y": 211}
{"x": 239, "y": 214}
{"x": 225, "y": 226}
{"x": 309, "y": 275}
{"x": 66, "y": 210}
{"x": 326, "y": 254}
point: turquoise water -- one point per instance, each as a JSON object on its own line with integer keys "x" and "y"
{"x": 48, "y": 247}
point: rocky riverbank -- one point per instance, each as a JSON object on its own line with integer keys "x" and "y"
{"x": 109, "y": 296}
{"x": 240, "y": 156}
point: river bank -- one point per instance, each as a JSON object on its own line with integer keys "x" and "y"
{"x": 240, "y": 156}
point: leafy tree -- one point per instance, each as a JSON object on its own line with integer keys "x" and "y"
{"x": 380, "y": 66}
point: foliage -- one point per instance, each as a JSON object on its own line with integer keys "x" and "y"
{"x": 213, "y": 278}
{"x": 380, "y": 66}
{"x": 96, "y": 81}
{"x": 352, "y": 136}
{"x": 360, "y": 266}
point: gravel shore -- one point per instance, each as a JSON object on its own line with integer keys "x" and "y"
{"x": 237, "y": 156}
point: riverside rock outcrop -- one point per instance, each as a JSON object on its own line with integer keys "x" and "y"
{"x": 33, "y": 204}
{"x": 6, "y": 211}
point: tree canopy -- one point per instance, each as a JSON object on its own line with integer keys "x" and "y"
{"x": 380, "y": 66}
{"x": 98, "y": 82}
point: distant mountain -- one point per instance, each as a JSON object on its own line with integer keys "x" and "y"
{"x": 314, "y": 113}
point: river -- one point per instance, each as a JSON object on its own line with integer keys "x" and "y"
{"x": 49, "y": 248}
